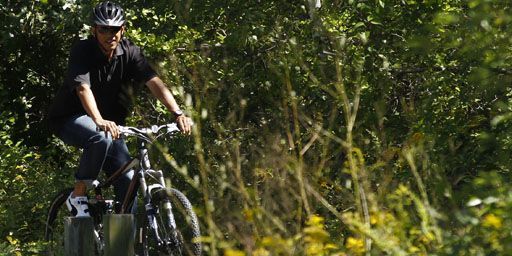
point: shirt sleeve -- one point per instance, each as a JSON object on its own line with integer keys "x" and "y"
{"x": 78, "y": 68}
{"x": 142, "y": 71}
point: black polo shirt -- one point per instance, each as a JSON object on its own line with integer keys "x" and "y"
{"x": 112, "y": 82}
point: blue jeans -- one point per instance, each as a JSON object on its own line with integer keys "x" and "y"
{"x": 100, "y": 152}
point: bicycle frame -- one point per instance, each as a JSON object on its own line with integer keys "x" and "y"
{"x": 142, "y": 167}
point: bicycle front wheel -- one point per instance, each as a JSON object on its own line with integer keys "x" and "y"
{"x": 179, "y": 241}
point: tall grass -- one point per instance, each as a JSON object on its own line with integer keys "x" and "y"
{"x": 288, "y": 179}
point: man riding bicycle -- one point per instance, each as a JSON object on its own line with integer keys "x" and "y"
{"x": 97, "y": 93}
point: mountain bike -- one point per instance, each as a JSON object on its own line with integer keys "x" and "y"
{"x": 170, "y": 225}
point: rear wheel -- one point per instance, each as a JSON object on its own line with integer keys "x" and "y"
{"x": 54, "y": 232}
{"x": 179, "y": 241}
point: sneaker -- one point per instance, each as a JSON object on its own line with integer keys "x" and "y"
{"x": 78, "y": 206}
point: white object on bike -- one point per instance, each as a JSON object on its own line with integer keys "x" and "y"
{"x": 78, "y": 206}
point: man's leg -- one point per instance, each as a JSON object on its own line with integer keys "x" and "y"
{"x": 81, "y": 131}
{"x": 117, "y": 157}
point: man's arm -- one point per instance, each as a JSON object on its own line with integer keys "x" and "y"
{"x": 160, "y": 91}
{"x": 89, "y": 103}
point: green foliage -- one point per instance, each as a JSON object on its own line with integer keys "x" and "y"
{"x": 485, "y": 224}
{"x": 360, "y": 127}
{"x": 28, "y": 181}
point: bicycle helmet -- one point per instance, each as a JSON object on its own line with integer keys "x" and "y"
{"x": 108, "y": 14}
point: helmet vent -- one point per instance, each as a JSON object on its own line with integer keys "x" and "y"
{"x": 108, "y": 14}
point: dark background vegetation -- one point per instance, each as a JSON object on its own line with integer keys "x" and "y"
{"x": 359, "y": 127}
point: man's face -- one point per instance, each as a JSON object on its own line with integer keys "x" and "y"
{"x": 108, "y": 37}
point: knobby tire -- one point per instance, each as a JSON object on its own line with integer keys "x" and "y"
{"x": 186, "y": 221}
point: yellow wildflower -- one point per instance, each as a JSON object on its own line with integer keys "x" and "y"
{"x": 231, "y": 252}
{"x": 261, "y": 252}
{"x": 355, "y": 245}
{"x": 492, "y": 221}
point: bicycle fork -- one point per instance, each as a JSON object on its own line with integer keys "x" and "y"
{"x": 151, "y": 211}
{"x": 165, "y": 210}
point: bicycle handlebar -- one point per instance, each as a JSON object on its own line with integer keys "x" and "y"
{"x": 154, "y": 129}
{"x": 144, "y": 133}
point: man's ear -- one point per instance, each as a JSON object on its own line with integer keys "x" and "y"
{"x": 93, "y": 31}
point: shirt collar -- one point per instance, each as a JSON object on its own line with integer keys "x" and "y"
{"x": 119, "y": 48}
{"x": 99, "y": 52}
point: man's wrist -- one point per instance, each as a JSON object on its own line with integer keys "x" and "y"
{"x": 177, "y": 113}
{"x": 97, "y": 120}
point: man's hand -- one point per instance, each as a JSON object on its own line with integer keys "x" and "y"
{"x": 108, "y": 126}
{"x": 89, "y": 103}
{"x": 185, "y": 124}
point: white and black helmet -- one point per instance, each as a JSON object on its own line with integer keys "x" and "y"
{"x": 108, "y": 14}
